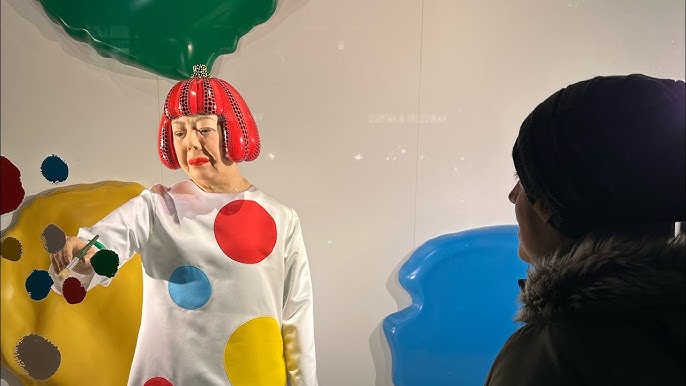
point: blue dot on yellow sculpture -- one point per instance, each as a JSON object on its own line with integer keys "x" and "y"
{"x": 166, "y": 37}
{"x": 90, "y": 341}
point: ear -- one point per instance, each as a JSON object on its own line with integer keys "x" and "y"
{"x": 543, "y": 210}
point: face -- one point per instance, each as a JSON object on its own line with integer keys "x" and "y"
{"x": 197, "y": 142}
{"x": 536, "y": 237}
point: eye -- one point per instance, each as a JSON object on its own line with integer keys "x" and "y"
{"x": 205, "y": 130}
{"x": 179, "y": 134}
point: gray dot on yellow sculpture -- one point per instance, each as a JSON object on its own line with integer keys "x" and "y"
{"x": 53, "y": 238}
{"x": 37, "y": 356}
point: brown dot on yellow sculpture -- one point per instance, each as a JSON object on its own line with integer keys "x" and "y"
{"x": 115, "y": 310}
{"x": 10, "y": 248}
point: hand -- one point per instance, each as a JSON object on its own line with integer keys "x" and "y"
{"x": 64, "y": 256}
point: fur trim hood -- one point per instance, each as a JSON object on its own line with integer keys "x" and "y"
{"x": 606, "y": 276}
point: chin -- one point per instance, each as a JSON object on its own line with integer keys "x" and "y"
{"x": 523, "y": 255}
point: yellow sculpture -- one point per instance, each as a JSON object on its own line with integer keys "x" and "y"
{"x": 95, "y": 338}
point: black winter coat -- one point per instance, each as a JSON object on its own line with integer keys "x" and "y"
{"x": 607, "y": 312}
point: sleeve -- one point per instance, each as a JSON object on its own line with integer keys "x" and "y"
{"x": 298, "y": 320}
{"x": 124, "y": 231}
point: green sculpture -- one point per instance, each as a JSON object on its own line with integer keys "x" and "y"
{"x": 166, "y": 37}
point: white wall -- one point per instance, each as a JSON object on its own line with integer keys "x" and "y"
{"x": 384, "y": 123}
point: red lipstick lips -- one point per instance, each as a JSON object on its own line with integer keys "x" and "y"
{"x": 198, "y": 161}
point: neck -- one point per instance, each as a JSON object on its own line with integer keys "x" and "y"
{"x": 231, "y": 181}
{"x": 237, "y": 187}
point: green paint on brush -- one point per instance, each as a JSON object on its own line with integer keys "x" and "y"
{"x": 105, "y": 262}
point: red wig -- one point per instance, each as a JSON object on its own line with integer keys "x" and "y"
{"x": 204, "y": 95}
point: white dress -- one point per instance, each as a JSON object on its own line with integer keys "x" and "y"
{"x": 227, "y": 296}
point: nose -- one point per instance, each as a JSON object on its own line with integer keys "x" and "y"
{"x": 193, "y": 141}
{"x": 514, "y": 193}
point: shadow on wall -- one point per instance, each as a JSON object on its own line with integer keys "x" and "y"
{"x": 464, "y": 291}
{"x": 378, "y": 345}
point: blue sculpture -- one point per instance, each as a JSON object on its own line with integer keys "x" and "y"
{"x": 464, "y": 297}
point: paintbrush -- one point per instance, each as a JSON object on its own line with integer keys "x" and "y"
{"x": 78, "y": 257}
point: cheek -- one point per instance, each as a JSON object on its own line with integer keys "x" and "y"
{"x": 216, "y": 142}
{"x": 519, "y": 211}
{"x": 178, "y": 149}
{"x": 536, "y": 237}
{"x": 526, "y": 218}
{"x": 213, "y": 145}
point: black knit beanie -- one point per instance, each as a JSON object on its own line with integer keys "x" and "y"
{"x": 607, "y": 151}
